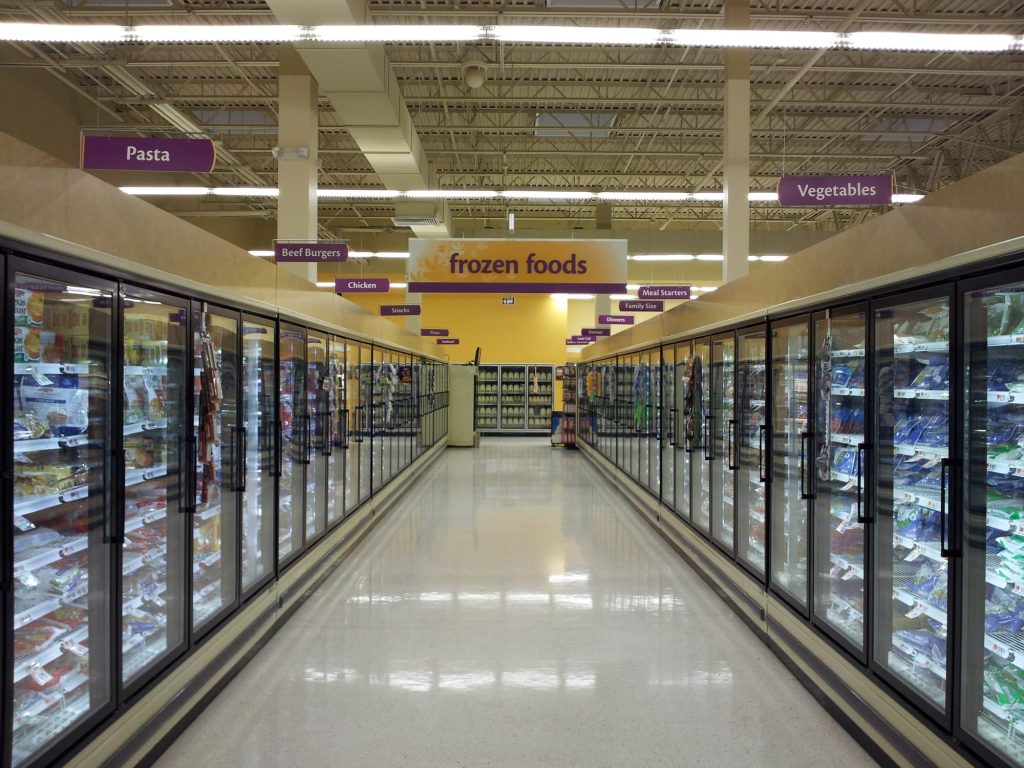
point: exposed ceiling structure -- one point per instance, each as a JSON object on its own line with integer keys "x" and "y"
{"x": 561, "y": 117}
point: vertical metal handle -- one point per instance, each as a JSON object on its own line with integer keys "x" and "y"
{"x": 278, "y": 447}
{"x": 343, "y": 431}
{"x": 762, "y": 476}
{"x": 242, "y": 444}
{"x": 804, "y": 438}
{"x": 944, "y": 549}
{"x": 673, "y": 415}
{"x": 731, "y": 446}
{"x": 861, "y": 447}
{"x": 182, "y": 467}
{"x": 709, "y": 448}
{"x": 328, "y": 440}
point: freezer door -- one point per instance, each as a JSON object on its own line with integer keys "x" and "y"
{"x": 292, "y": 436}
{"x": 687, "y": 416}
{"x": 703, "y": 445}
{"x": 337, "y": 432}
{"x": 723, "y": 436}
{"x": 154, "y": 554}
{"x": 364, "y": 422}
{"x": 259, "y": 402}
{"x": 64, "y": 521}
{"x": 840, "y": 466}
{"x": 911, "y": 497}
{"x": 317, "y": 422}
{"x": 792, "y": 477}
{"x": 992, "y": 667}
{"x": 752, "y": 458}
{"x": 666, "y": 463}
{"x": 218, "y": 444}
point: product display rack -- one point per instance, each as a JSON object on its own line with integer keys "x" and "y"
{"x": 570, "y": 397}
{"x": 150, "y": 431}
{"x": 514, "y": 399}
{"x": 878, "y": 461}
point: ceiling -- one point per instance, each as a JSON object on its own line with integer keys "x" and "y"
{"x": 577, "y": 117}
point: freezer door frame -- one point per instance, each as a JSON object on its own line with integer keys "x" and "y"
{"x": 23, "y": 264}
{"x": 299, "y": 547}
{"x": 761, "y": 577}
{"x": 716, "y": 340}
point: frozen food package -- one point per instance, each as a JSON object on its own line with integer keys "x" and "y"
{"x": 29, "y": 307}
{"x": 58, "y": 402}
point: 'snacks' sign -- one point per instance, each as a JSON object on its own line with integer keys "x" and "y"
{"x": 821, "y": 191}
{"x": 522, "y": 266}
{"x": 148, "y": 153}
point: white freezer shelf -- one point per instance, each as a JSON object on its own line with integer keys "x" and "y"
{"x": 1016, "y": 398}
{"x": 67, "y": 685}
{"x": 847, "y": 353}
{"x": 931, "y": 611}
{"x": 847, "y": 564}
{"x": 903, "y": 495}
{"x": 921, "y": 346}
{"x": 921, "y": 394}
{"x": 138, "y": 601}
{"x": 918, "y": 660}
{"x": 133, "y": 562}
{"x": 929, "y": 452}
{"x": 145, "y": 426}
{"x": 52, "y": 444}
{"x": 139, "y": 370}
{"x": 49, "y": 652}
{"x": 143, "y": 520}
{"x": 927, "y": 549}
{"x": 137, "y": 476}
{"x": 54, "y": 369}
{"x": 26, "y": 505}
{"x": 846, "y": 439}
{"x": 848, "y": 391}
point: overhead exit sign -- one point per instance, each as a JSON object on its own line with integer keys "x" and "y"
{"x": 507, "y": 300}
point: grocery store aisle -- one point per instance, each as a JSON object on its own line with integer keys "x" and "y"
{"x": 513, "y": 612}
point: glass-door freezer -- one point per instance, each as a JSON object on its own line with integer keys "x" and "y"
{"x": 685, "y": 412}
{"x": 840, "y": 466}
{"x": 154, "y": 385}
{"x": 702, "y": 444}
{"x": 992, "y": 656}
{"x": 722, "y": 440}
{"x": 338, "y": 492}
{"x": 65, "y": 536}
{"x": 217, "y": 476}
{"x": 751, "y": 480}
{"x": 292, "y": 452}
{"x": 791, "y": 462}
{"x": 911, "y": 500}
{"x": 316, "y": 420}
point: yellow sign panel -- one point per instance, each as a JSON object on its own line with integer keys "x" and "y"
{"x": 517, "y": 266}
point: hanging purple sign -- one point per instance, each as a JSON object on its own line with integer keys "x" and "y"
{"x": 573, "y": 342}
{"x": 433, "y": 332}
{"x": 361, "y": 285}
{"x": 148, "y": 153}
{"x": 596, "y": 332}
{"x": 664, "y": 292}
{"x": 583, "y": 338}
{"x": 616, "y": 319}
{"x": 447, "y": 342}
{"x": 387, "y": 310}
{"x": 821, "y": 191}
{"x": 641, "y": 306}
{"x": 291, "y": 252}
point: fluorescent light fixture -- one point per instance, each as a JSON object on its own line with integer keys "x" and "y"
{"x": 545, "y": 194}
{"x": 906, "y": 198}
{"x": 395, "y": 33}
{"x": 451, "y": 194}
{"x": 165, "y": 191}
{"x": 774, "y": 258}
{"x": 214, "y": 33}
{"x": 356, "y": 194}
{"x": 622, "y": 296}
{"x": 928, "y": 41}
{"x": 662, "y": 257}
{"x": 574, "y": 350}
{"x": 244, "y": 191}
{"x": 578, "y": 35}
{"x": 572, "y": 296}
{"x": 391, "y": 255}
{"x": 710, "y": 257}
{"x": 61, "y": 33}
{"x": 706, "y": 197}
{"x": 264, "y": 254}
{"x": 760, "y": 197}
{"x": 646, "y": 197}
{"x": 632, "y": 287}
{"x": 753, "y": 38}
{"x": 568, "y": 578}
{"x": 360, "y": 254}
{"x": 325, "y": 283}
{"x": 704, "y": 288}
{"x": 398, "y": 285}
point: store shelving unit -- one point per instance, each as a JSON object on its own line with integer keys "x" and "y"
{"x": 487, "y": 398}
{"x": 514, "y": 399}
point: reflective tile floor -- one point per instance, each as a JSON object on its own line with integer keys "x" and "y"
{"x": 513, "y": 612}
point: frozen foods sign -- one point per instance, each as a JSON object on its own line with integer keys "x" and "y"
{"x": 823, "y": 191}
{"x": 291, "y": 252}
{"x": 517, "y": 266}
{"x": 148, "y": 153}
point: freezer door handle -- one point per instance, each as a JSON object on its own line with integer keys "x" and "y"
{"x": 278, "y": 447}
{"x": 343, "y": 429}
{"x": 709, "y": 448}
{"x": 109, "y": 514}
{"x": 761, "y": 475}
{"x": 944, "y": 550}
{"x": 242, "y": 446}
{"x": 672, "y": 431}
{"x": 731, "y": 458}
{"x": 328, "y": 439}
{"x": 804, "y": 440}
{"x": 860, "y": 483}
{"x": 182, "y": 475}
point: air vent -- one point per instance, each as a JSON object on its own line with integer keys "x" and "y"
{"x": 415, "y": 221}
{"x": 80, "y": 4}
{"x": 619, "y": 5}
{"x": 579, "y": 125}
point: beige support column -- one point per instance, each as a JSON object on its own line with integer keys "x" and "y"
{"x": 297, "y": 161}
{"x": 736, "y": 166}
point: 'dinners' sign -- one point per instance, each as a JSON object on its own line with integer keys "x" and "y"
{"x": 517, "y": 266}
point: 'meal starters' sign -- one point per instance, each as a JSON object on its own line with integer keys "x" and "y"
{"x": 664, "y": 292}
{"x": 641, "y": 306}
{"x": 148, "y": 153}
{"x": 285, "y": 251}
{"x": 361, "y": 285}
{"x": 616, "y": 319}
{"x": 391, "y": 310}
{"x": 821, "y": 191}
{"x": 447, "y": 342}
{"x": 442, "y": 332}
{"x": 517, "y": 266}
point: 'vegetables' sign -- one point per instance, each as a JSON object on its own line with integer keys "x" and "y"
{"x": 148, "y": 153}
{"x": 815, "y": 191}
{"x": 291, "y": 252}
{"x": 664, "y": 292}
{"x": 523, "y": 266}
{"x": 641, "y": 306}
{"x": 390, "y": 310}
{"x": 616, "y": 319}
{"x": 361, "y": 285}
